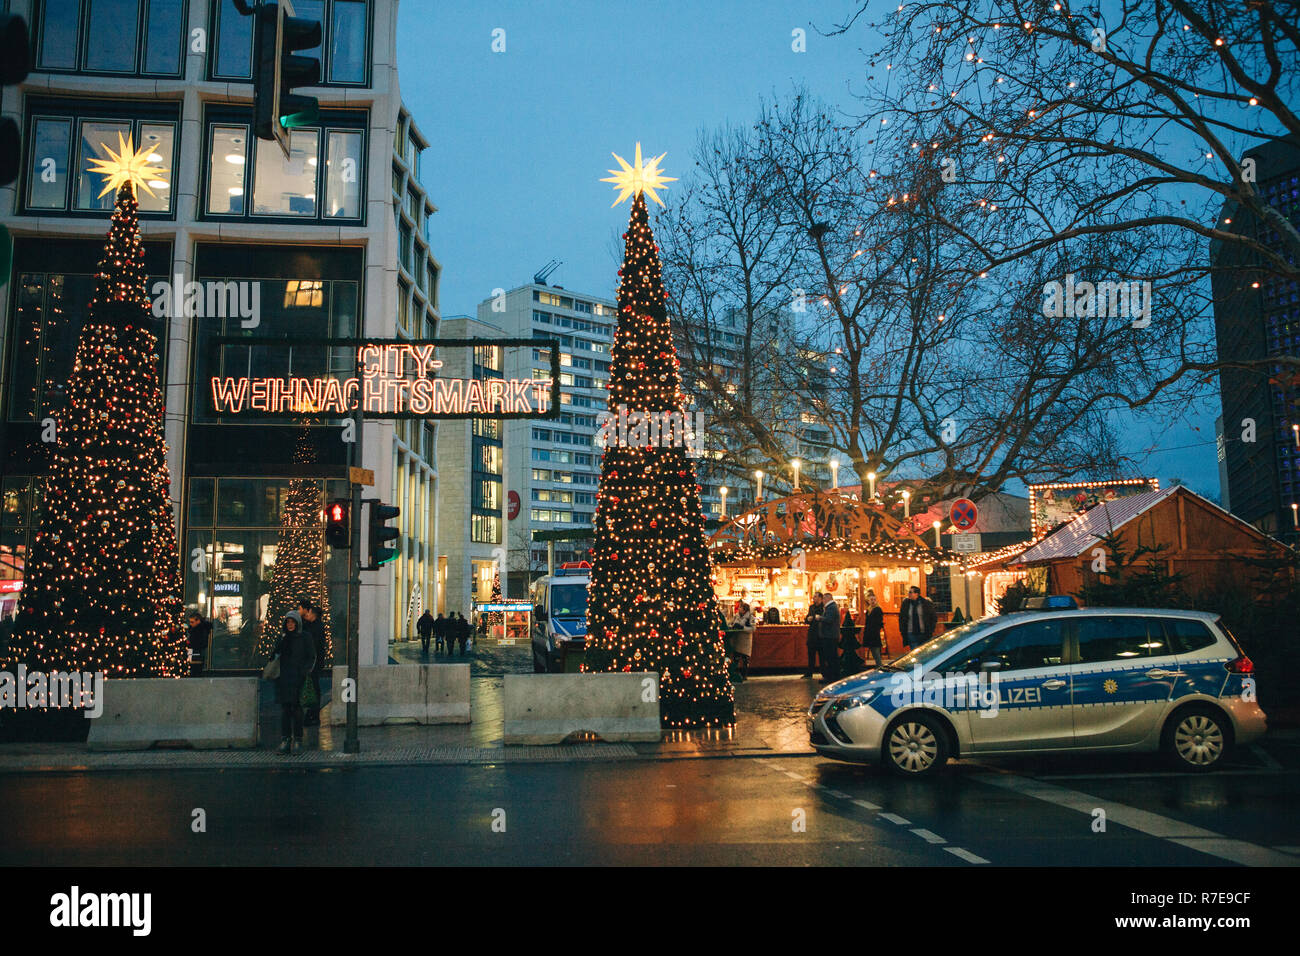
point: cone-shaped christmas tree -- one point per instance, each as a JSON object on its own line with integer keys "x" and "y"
{"x": 102, "y": 586}
{"x": 299, "y": 557}
{"x": 651, "y": 602}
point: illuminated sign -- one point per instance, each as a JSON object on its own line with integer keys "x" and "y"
{"x": 1056, "y": 503}
{"x": 391, "y": 378}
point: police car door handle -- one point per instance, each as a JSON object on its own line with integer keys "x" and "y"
{"x": 1054, "y": 684}
{"x": 1160, "y": 672}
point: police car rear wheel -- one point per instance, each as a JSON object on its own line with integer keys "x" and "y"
{"x": 916, "y": 746}
{"x": 1198, "y": 741}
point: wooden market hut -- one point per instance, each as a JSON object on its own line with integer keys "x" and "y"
{"x": 780, "y": 551}
{"x": 1210, "y": 547}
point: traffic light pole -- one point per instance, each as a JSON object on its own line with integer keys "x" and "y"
{"x": 351, "y": 743}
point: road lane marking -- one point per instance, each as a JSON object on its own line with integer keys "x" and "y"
{"x": 928, "y": 835}
{"x": 966, "y": 855}
{"x": 838, "y": 793}
{"x": 865, "y": 805}
{"x": 1144, "y": 821}
{"x": 895, "y": 818}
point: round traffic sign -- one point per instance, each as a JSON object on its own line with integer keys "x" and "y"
{"x": 964, "y": 514}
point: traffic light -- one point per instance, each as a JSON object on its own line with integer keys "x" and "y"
{"x": 15, "y": 62}
{"x": 277, "y": 70}
{"x": 338, "y": 530}
{"x": 380, "y": 515}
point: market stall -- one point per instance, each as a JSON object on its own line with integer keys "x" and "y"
{"x": 780, "y": 552}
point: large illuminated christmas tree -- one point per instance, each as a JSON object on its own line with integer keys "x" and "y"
{"x": 651, "y": 603}
{"x": 299, "y": 557}
{"x": 101, "y": 590}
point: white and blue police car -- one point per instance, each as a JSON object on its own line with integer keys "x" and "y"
{"x": 1065, "y": 680}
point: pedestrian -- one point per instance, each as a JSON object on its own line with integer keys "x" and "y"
{"x": 424, "y": 626}
{"x": 916, "y": 619}
{"x": 297, "y": 654}
{"x": 462, "y": 636}
{"x": 813, "y": 640}
{"x": 873, "y": 625}
{"x": 773, "y": 615}
{"x": 743, "y": 625}
{"x": 850, "y": 662}
{"x": 198, "y": 634}
{"x": 439, "y": 633}
{"x": 314, "y": 627}
{"x": 829, "y": 624}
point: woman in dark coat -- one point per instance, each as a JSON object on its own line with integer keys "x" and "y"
{"x": 872, "y": 626}
{"x": 850, "y": 663}
{"x": 297, "y": 652}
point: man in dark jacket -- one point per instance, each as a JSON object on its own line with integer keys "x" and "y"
{"x": 439, "y": 632}
{"x": 828, "y": 645}
{"x": 813, "y": 640}
{"x": 198, "y": 634}
{"x": 462, "y": 636}
{"x": 314, "y": 627}
{"x": 297, "y": 653}
{"x": 424, "y": 626}
{"x": 916, "y": 619}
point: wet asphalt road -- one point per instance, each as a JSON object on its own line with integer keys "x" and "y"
{"x": 786, "y": 810}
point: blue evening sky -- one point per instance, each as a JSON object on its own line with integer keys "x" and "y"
{"x": 520, "y": 139}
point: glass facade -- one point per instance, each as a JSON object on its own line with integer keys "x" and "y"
{"x": 344, "y": 52}
{"x": 123, "y": 37}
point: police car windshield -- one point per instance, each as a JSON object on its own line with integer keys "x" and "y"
{"x": 935, "y": 649}
{"x": 569, "y": 600}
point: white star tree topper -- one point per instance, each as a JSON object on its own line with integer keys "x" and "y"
{"x": 638, "y": 178}
{"x": 127, "y": 166}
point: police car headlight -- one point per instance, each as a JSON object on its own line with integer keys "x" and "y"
{"x": 860, "y": 699}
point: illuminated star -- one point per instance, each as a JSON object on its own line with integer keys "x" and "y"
{"x": 631, "y": 180}
{"x": 126, "y": 166}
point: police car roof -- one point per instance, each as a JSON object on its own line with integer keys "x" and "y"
{"x": 1101, "y": 611}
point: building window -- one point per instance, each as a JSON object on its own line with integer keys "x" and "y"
{"x": 286, "y": 188}
{"x": 142, "y": 37}
{"x": 344, "y": 53}
{"x": 59, "y": 174}
{"x": 485, "y": 529}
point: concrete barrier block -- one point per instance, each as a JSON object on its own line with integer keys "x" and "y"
{"x": 206, "y": 713}
{"x": 548, "y": 708}
{"x": 404, "y": 694}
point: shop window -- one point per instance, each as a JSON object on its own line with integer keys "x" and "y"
{"x": 142, "y": 37}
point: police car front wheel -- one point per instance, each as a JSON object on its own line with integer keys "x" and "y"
{"x": 916, "y": 745}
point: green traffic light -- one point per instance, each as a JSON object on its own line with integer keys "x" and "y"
{"x": 297, "y": 120}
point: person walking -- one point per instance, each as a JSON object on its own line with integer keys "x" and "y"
{"x": 297, "y": 653}
{"x": 829, "y": 623}
{"x": 743, "y": 625}
{"x": 873, "y": 625}
{"x": 198, "y": 634}
{"x": 916, "y": 619}
{"x": 850, "y": 663}
{"x": 424, "y": 627}
{"x": 440, "y": 633}
{"x": 462, "y": 635}
{"x": 813, "y": 640}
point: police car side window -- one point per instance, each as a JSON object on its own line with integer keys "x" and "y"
{"x": 1036, "y": 644}
{"x": 1186, "y": 635}
{"x": 1118, "y": 638}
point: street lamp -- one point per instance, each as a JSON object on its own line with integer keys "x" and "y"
{"x": 907, "y": 506}
{"x": 723, "y": 492}
{"x": 936, "y": 534}
{"x": 871, "y": 477}
{"x": 835, "y": 473}
{"x": 758, "y": 493}
{"x": 794, "y": 463}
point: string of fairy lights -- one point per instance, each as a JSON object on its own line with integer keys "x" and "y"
{"x": 651, "y": 604}
{"x": 101, "y": 590}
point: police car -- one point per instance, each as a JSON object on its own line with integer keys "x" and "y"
{"x": 1049, "y": 681}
